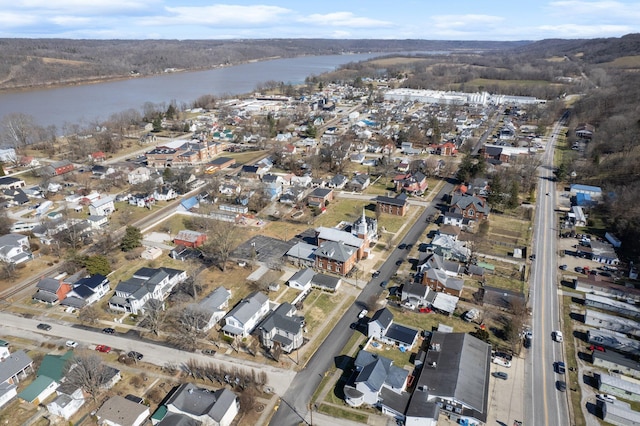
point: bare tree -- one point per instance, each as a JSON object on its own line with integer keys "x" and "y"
{"x": 188, "y": 324}
{"x": 18, "y": 130}
{"x": 89, "y": 314}
{"x": 7, "y": 269}
{"x": 222, "y": 238}
{"x": 155, "y": 316}
{"x": 87, "y": 371}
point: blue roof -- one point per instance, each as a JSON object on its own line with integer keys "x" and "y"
{"x": 580, "y": 187}
{"x": 189, "y": 203}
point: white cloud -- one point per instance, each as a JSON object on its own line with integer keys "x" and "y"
{"x": 583, "y": 31}
{"x": 343, "y": 19}
{"x": 10, "y": 19}
{"x": 70, "y": 21}
{"x": 81, "y": 7}
{"x": 224, "y": 15}
{"x": 468, "y": 21}
{"x": 596, "y": 10}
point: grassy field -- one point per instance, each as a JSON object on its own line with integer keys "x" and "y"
{"x": 396, "y": 60}
{"x": 245, "y": 157}
{"x": 624, "y": 62}
{"x": 343, "y": 209}
{"x": 343, "y": 413}
{"x": 399, "y": 358}
{"x": 487, "y": 82}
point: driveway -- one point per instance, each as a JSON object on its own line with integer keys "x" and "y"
{"x": 506, "y": 403}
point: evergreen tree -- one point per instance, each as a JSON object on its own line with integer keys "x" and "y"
{"x": 98, "y": 264}
{"x": 132, "y": 239}
{"x": 514, "y": 192}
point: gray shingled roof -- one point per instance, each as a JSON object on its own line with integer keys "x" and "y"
{"x": 335, "y": 251}
{"x": 248, "y": 307}
{"x": 384, "y": 317}
{"x": 16, "y": 362}
{"x": 191, "y": 399}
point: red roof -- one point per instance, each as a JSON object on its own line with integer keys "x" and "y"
{"x": 97, "y": 154}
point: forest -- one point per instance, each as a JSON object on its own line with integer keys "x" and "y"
{"x": 32, "y": 63}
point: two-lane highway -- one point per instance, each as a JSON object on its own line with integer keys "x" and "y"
{"x": 547, "y": 405}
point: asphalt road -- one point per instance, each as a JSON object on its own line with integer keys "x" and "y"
{"x": 160, "y": 355}
{"x": 546, "y": 405}
{"x": 294, "y": 404}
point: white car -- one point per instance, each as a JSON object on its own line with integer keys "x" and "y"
{"x": 71, "y": 344}
{"x": 363, "y": 313}
{"x": 606, "y": 398}
{"x": 501, "y": 361}
{"x": 557, "y": 335}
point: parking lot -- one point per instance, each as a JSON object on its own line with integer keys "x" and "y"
{"x": 566, "y": 248}
{"x": 506, "y": 402}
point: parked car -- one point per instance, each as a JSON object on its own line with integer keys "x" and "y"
{"x": 402, "y": 246}
{"x": 500, "y": 375}
{"x": 557, "y": 336}
{"x": 501, "y": 361}
{"x": 375, "y": 274}
{"x": 71, "y": 344}
{"x": 409, "y": 246}
{"x": 363, "y": 313}
{"x": 560, "y": 367}
{"x": 209, "y": 352}
{"x": 383, "y": 284}
{"x": 561, "y": 385}
{"x": 399, "y": 262}
{"x": 108, "y": 330}
{"x": 135, "y": 355}
{"x": 43, "y": 326}
{"x": 503, "y": 355}
{"x": 596, "y": 348}
{"x": 563, "y": 267}
{"x": 606, "y": 398}
{"x": 578, "y": 269}
{"x": 103, "y": 348}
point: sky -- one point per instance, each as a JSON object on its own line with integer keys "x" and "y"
{"x": 339, "y": 19}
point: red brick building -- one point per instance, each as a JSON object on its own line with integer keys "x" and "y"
{"x": 395, "y": 206}
{"x": 189, "y": 238}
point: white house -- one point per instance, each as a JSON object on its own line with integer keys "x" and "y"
{"x": 147, "y": 283}
{"x": 139, "y": 175}
{"x": 301, "y": 280}
{"x": 102, "y": 207}
{"x": 373, "y": 374}
{"x": 14, "y": 248}
{"x": 86, "y": 291}
{"x": 207, "y": 407}
{"x": 97, "y": 221}
{"x": 214, "y": 306}
{"x": 245, "y": 316}
{"x": 66, "y": 404}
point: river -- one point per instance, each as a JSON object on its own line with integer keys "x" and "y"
{"x": 90, "y": 103}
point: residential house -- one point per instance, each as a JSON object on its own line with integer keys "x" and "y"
{"x": 449, "y": 247}
{"x": 101, "y": 171}
{"x": 102, "y": 207}
{"x": 438, "y": 280}
{"x": 358, "y": 242}
{"x": 145, "y": 284}
{"x": 585, "y": 131}
{"x": 324, "y": 282}
{"x": 51, "y": 290}
{"x": 382, "y": 328}
{"x": 394, "y": 206}
{"x": 470, "y": 207}
{"x": 15, "y": 248}
{"x": 190, "y": 238}
{"x": 455, "y": 374}
{"x": 282, "y": 327}
{"x": 49, "y": 376}
{"x": 165, "y": 193}
{"x": 411, "y": 183}
{"x": 337, "y": 182}
{"x": 138, "y": 175}
{"x": 97, "y": 222}
{"x": 504, "y": 299}
{"x": 191, "y": 405}
{"x": 319, "y": 197}
{"x": 359, "y": 182}
{"x": 612, "y": 360}
{"x": 15, "y": 197}
{"x": 98, "y": 157}
{"x": 119, "y": 411}
{"x": 213, "y": 307}
{"x": 15, "y": 367}
{"x": 4, "y": 350}
{"x": 87, "y": 291}
{"x": 245, "y": 316}
{"x": 7, "y": 393}
{"x": 301, "y": 280}
{"x": 372, "y": 374}
{"x": 29, "y": 161}
{"x": 10, "y": 182}
{"x": 293, "y": 195}
{"x": 68, "y": 401}
{"x": 183, "y": 253}
{"x": 151, "y": 253}
{"x": 617, "y": 386}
